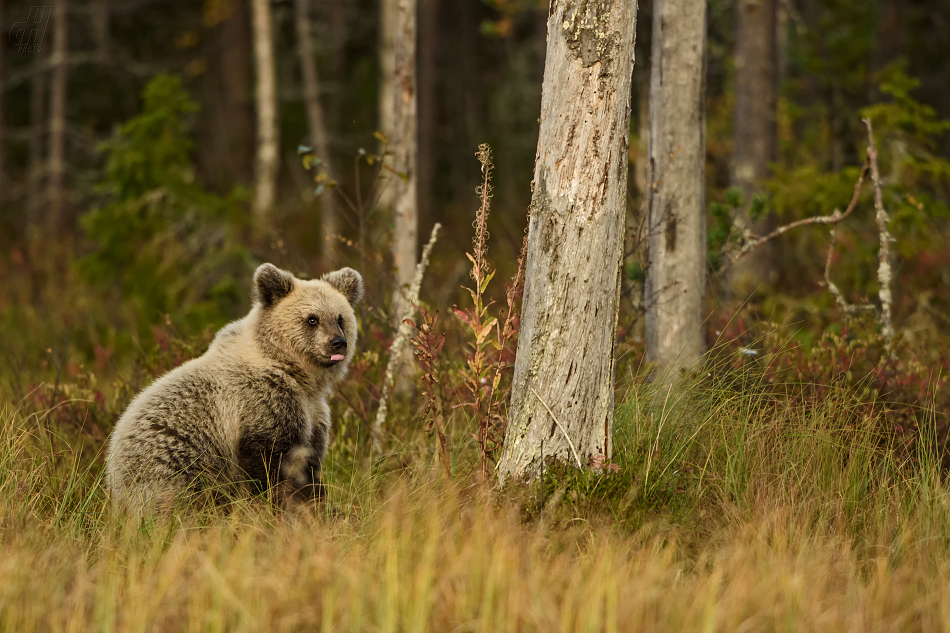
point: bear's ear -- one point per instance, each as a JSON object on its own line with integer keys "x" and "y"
{"x": 271, "y": 284}
{"x": 348, "y": 282}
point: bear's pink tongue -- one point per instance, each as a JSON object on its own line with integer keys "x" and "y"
{"x": 336, "y": 357}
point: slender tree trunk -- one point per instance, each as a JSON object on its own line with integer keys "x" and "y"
{"x": 676, "y": 228}
{"x": 782, "y": 19}
{"x": 755, "y": 125}
{"x": 100, "y": 28}
{"x": 57, "y": 120}
{"x": 388, "y": 10}
{"x": 235, "y": 77}
{"x": 405, "y": 150}
{"x": 3, "y": 173}
{"x": 318, "y": 128}
{"x": 643, "y": 134}
{"x": 563, "y": 387}
{"x": 37, "y": 169}
{"x": 889, "y": 42}
{"x": 428, "y": 89}
{"x": 265, "y": 186}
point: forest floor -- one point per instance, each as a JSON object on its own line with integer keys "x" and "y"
{"x": 724, "y": 510}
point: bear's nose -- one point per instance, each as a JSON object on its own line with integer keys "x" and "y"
{"x": 338, "y": 344}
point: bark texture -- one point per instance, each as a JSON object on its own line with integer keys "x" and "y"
{"x": 405, "y": 150}
{"x": 755, "y": 124}
{"x": 676, "y": 224}
{"x": 265, "y": 186}
{"x": 563, "y": 386}
{"x": 57, "y": 119}
{"x": 318, "y": 129}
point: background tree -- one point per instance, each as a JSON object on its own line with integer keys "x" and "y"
{"x": 233, "y": 160}
{"x": 57, "y": 118}
{"x": 37, "y": 134}
{"x": 3, "y": 168}
{"x": 268, "y": 143}
{"x": 676, "y": 227}
{"x": 405, "y": 154}
{"x": 563, "y": 385}
{"x": 756, "y": 60}
{"x": 316, "y": 121}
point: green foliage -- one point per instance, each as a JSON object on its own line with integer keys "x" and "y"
{"x": 169, "y": 245}
{"x": 917, "y": 190}
{"x": 758, "y": 207}
{"x": 720, "y": 229}
{"x": 635, "y": 272}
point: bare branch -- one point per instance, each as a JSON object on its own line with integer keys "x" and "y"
{"x": 835, "y": 217}
{"x": 847, "y": 308}
{"x": 402, "y": 336}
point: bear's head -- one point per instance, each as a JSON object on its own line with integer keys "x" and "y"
{"x": 309, "y": 321}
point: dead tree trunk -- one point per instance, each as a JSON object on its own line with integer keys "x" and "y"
{"x": 755, "y": 125}
{"x": 318, "y": 128}
{"x": 563, "y": 385}
{"x": 57, "y": 120}
{"x": 265, "y": 186}
{"x": 405, "y": 151}
{"x": 676, "y": 225}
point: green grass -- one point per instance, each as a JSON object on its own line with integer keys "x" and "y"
{"x": 724, "y": 511}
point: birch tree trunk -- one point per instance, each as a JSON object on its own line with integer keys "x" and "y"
{"x": 318, "y": 128}
{"x": 755, "y": 125}
{"x": 265, "y": 186}
{"x": 57, "y": 120}
{"x": 676, "y": 224}
{"x": 563, "y": 387}
{"x": 404, "y": 149}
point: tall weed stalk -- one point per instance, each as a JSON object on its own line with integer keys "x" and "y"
{"x": 484, "y": 370}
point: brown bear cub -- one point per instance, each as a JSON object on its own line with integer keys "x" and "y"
{"x": 252, "y": 411}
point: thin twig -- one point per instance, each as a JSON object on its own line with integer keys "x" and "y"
{"x": 835, "y": 217}
{"x": 847, "y": 308}
{"x": 566, "y": 436}
{"x": 884, "y": 273}
{"x": 399, "y": 341}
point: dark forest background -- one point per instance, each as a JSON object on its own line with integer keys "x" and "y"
{"x": 102, "y": 282}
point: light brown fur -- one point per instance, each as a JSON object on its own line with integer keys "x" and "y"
{"x": 253, "y": 409}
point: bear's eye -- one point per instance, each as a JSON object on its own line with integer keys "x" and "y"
{"x": 313, "y": 321}
{"x": 339, "y": 321}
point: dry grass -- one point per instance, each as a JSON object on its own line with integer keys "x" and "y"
{"x": 785, "y": 524}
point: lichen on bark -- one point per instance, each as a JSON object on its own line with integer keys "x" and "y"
{"x": 586, "y": 29}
